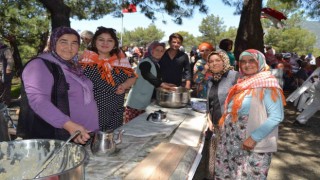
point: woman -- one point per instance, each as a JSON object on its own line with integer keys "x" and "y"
{"x": 249, "y": 126}
{"x": 142, "y": 92}
{"x": 223, "y": 78}
{"x": 62, "y": 104}
{"x": 226, "y": 45}
{"x": 200, "y": 70}
{"x": 111, "y": 74}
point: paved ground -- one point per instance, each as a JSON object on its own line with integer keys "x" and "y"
{"x": 298, "y": 156}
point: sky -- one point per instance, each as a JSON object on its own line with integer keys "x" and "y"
{"x": 135, "y": 20}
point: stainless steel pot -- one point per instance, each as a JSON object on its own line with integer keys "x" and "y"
{"x": 173, "y": 99}
{"x": 22, "y": 159}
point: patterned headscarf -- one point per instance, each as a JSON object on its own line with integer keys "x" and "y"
{"x": 248, "y": 85}
{"x": 256, "y": 55}
{"x": 226, "y": 64}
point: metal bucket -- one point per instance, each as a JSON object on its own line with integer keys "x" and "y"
{"x": 173, "y": 99}
{"x": 23, "y": 159}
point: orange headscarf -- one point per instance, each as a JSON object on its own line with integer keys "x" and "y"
{"x": 206, "y": 44}
{"x": 105, "y": 66}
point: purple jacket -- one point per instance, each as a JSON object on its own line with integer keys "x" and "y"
{"x": 38, "y": 82}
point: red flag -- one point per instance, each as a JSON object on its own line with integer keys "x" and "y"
{"x": 130, "y": 9}
{"x": 274, "y": 13}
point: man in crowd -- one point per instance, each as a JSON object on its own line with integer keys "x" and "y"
{"x": 174, "y": 64}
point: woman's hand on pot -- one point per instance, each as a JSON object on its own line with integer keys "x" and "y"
{"x": 248, "y": 144}
{"x": 72, "y": 127}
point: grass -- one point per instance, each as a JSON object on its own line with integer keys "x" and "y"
{"x": 15, "y": 88}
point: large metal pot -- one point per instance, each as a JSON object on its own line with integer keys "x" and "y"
{"x": 23, "y": 159}
{"x": 178, "y": 98}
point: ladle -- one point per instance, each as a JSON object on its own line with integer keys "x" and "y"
{"x": 49, "y": 160}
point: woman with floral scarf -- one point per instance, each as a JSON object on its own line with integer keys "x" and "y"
{"x": 112, "y": 75}
{"x": 249, "y": 125}
{"x": 223, "y": 78}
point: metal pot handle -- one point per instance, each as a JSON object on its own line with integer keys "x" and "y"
{"x": 149, "y": 116}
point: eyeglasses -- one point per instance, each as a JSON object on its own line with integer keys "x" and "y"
{"x": 250, "y": 61}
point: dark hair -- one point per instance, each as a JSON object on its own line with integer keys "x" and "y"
{"x": 175, "y": 35}
{"x": 225, "y": 43}
{"x": 100, "y": 30}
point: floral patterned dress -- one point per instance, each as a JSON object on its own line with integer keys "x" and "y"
{"x": 232, "y": 162}
{"x": 201, "y": 79}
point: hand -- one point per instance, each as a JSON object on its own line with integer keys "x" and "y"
{"x": 121, "y": 89}
{"x": 72, "y": 127}
{"x": 206, "y": 67}
{"x": 210, "y": 126}
{"x": 168, "y": 86}
{"x": 248, "y": 144}
{"x": 188, "y": 84}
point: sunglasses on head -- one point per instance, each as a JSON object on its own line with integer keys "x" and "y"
{"x": 101, "y": 28}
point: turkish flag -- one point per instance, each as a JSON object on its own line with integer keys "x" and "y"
{"x": 130, "y": 9}
{"x": 274, "y": 13}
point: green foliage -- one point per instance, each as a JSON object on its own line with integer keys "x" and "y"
{"x": 26, "y": 21}
{"x": 142, "y": 36}
{"x": 211, "y": 28}
{"x": 15, "y": 88}
{"x": 293, "y": 39}
{"x": 96, "y": 9}
{"x": 311, "y": 7}
{"x": 189, "y": 40}
{"x": 93, "y": 9}
{"x": 231, "y": 33}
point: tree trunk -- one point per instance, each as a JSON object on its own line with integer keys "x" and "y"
{"x": 250, "y": 32}
{"x": 43, "y": 41}
{"x": 60, "y": 13}
{"x": 16, "y": 54}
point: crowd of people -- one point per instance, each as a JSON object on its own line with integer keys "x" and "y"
{"x": 84, "y": 86}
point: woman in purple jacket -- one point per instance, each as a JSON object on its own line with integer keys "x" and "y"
{"x": 59, "y": 97}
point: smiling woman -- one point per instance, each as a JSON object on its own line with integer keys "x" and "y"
{"x": 249, "y": 126}
{"x": 111, "y": 73}
{"x": 67, "y": 46}
{"x": 248, "y": 65}
{"x": 53, "y": 83}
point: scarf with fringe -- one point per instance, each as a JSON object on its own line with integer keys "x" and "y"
{"x": 249, "y": 86}
{"x": 105, "y": 66}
